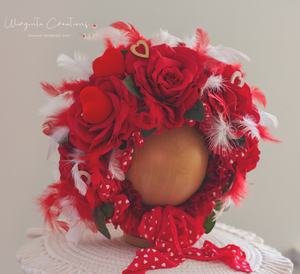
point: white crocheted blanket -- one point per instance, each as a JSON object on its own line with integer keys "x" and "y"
{"x": 94, "y": 254}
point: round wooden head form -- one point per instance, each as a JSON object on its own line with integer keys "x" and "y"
{"x": 170, "y": 167}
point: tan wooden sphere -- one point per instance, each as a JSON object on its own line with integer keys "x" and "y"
{"x": 170, "y": 167}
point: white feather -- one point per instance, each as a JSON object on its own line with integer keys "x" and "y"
{"x": 164, "y": 37}
{"x": 224, "y": 54}
{"x": 52, "y": 147}
{"x": 267, "y": 119}
{"x": 114, "y": 165}
{"x": 76, "y": 173}
{"x": 68, "y": 210}
{"x": 59, "y": 135}
{"x": 73, "y": 218}
{"x": 213, "y": 82}
{"x": 219, "y": 135}
{"x": 117, "y": 37}
{"x": 56, "y": 105}
{"x": 81, "y": 65}
{"x": 74, "y": 232}
{"x": 76, "y": 154}
{"x": 218, "y": 213}
{"x": 79, "y": 183}
{"x": 220, "y": 53}
{"x": 190, "y": 41}
{"x": 249, "y": 124}
{"x": 225, "y": 205}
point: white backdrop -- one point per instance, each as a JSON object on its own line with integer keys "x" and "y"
{"x": 268, "y": 31}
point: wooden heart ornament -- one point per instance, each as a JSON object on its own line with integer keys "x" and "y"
{"x": 142, "y": 55}
{"x": 96, "y": 105}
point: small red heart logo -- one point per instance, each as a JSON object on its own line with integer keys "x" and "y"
{"x": 96, "y": 105}
{"x": 110, "y": 63}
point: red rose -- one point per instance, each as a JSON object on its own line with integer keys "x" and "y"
{"x": 170, "y": 79}
{"x": 109, "y": 133}
{"x": 238, "y": 99}
{"x": 248, "y": 156}
{"x": 228, "y": 106}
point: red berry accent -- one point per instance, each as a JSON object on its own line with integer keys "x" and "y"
{"x": 110, "y": 63}
{"x": 96, "y": 105}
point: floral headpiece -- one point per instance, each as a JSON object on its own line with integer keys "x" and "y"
{"x": 137, "y": 88}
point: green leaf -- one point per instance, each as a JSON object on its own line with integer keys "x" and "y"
{"x": 124, "y": 52}
{"x": 124, "y": 145}
{"x": 196, "y": 113}
{"x": 99, "y": 220}
{"x": 130, "y": 84}
{"x": 240, "y": 141}
{"x": 219, "y": 205}
{"x": 107, "y": 210}
{"x": 62, "y": 143}
{"x": 227, "y": 187}
{"x": 209, "y": 223}
{"x": 146, "y": 133}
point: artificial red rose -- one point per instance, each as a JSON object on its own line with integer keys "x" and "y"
{"x": 238, "y": 99}
{"x": 231, "y": 100}
{"x": 171, "y": 79}
{"x": 109, "y": 133}
{"x": 248, "y": 156}
{"x": 145, "y": 121}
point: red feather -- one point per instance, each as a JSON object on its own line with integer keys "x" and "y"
{"x": 133, "y": 34}
{"x": 48, "y": 203}
{"x": 108, "y": 43}
{"x": 202, "y": 41}
{"x": 95, "y": 166}
{"x": 54, "y": 121}
{"x": 266, "y": 135}
{"x": 258, "y": 96}
{"x": 54, "y": 90}
{"x": 239, "y": 189}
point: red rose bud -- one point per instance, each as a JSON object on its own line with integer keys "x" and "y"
{"x": 96, "y": 105}
{"x": 145, "y": 121}
{"x": 110, "y": 63}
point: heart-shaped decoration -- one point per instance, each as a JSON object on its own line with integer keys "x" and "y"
{"x": 110, "y": 63}
{"x": 142, "y": 55}
{"x": 237, "y": 75}
{"x": 96, "y": 105}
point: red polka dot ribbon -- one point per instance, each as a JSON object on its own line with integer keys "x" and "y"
{"x": 174, "y": 232}
{"x": 232, "y": 255}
